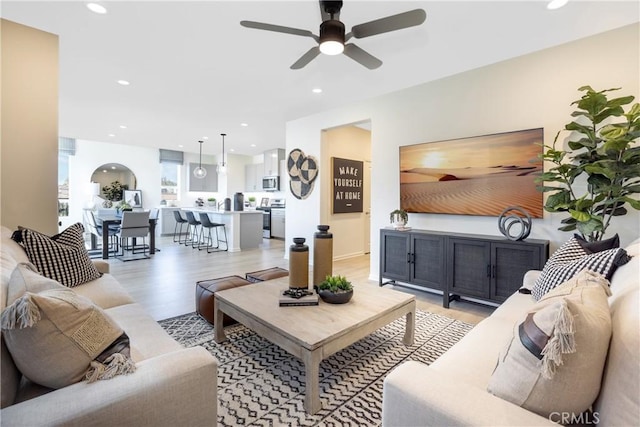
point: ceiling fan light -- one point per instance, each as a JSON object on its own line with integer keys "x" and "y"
{"x": 332, "y": 37}
{"x": 331, "y": 47}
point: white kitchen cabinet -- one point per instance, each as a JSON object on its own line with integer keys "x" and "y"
{"x": 253, "y": 177}
{"x": 168, "y": 221}
{"x": 272, "y": 160}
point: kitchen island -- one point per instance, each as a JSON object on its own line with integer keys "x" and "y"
{"x": 244, "y": 228}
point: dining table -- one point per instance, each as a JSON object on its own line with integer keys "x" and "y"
{"x": 107, "y": 220}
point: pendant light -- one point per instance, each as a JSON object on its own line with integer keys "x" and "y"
{"x": 200, "y": 172}
{"x": 222, "y": 166}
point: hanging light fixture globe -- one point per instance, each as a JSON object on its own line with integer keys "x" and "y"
{"x": 200, "y": 172}
{"x": 222, "y": 166}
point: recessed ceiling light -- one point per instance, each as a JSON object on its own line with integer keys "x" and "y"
{"x": 205, "y": 137}
{"x": 231, "y": 149}
{"x": 112, "y": 135}
{"x": 556, "y": 4}
{"x": 244, "y": 124}
{"x": 97, "y": 8}
{"x": 123, "y": 82}
{"x": 180, "y": 145}
{"x": 253, "y": 145}
{"x": 316, "y": 90}
{"x": 123, "y": 127}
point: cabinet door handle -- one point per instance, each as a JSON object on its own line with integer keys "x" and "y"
{"x": 408, "y": 257}
{"x": 413, "y": 258}
{"x": 493, "y": 272}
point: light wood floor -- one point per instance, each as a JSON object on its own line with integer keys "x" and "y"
{"x": 165, "y": 284}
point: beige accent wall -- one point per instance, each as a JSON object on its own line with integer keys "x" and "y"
{"x": 349, "y": 229}
{"x": 29, "y": 144}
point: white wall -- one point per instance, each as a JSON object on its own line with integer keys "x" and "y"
{"x": 531, "y": 91}
{"x": 144, "y": 163}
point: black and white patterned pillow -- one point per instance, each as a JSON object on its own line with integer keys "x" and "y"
{"x": 62, "y": 257}
{"x": 570, "y": 259}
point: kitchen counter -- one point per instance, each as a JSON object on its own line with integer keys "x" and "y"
{"x": 244, "y": 228}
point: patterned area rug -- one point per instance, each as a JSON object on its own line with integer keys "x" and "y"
{"x": 261, "y": 384}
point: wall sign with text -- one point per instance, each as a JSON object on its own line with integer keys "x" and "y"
{"x": 347, "y": 185}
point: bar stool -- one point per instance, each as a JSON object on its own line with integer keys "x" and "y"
{"x": 178, "y": 231}
{"x": 206, "y": 223}
{"x": 192, "y": 229}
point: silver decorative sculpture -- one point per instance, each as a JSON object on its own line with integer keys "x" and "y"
{"x": 508, "y": 218}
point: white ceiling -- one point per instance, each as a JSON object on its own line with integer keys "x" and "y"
{"x": 195, "y": 72}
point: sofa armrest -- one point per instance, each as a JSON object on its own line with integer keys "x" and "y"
{"x": 101, "y": 265}
{"x": 415, "y": 394}
{"x": 178, "y": 388}
{"x": 530, "y": 278}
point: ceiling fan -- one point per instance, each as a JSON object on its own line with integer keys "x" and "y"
{"x": 333, "y": 40}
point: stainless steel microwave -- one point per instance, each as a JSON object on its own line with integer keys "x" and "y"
{"x": 270, "y": 183}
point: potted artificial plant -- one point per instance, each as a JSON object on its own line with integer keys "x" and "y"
{"x": 594, "y": 179}
{"x": 114, "y": 191}
{"x": 124, "y": 206}
{"x": 211, "y": 201}
{"x": 335, "y": 290}
{"x": 399, "y": 218}
{"x": 252, "y": 201}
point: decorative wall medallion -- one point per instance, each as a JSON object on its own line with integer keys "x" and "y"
{"x": 514, "y": 215}
{"x": 303, "y": 171}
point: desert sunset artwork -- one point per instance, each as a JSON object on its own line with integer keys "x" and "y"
{"x": 473, "y": 176}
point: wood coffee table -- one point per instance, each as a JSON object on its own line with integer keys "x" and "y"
{"x": 313, "y": 333}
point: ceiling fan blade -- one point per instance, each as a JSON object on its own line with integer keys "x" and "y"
{"x": 361, "y": 56}
{"x": 306, "y": 58}
{"x": 390, "y": 23}
{"x": 279, "y": 29}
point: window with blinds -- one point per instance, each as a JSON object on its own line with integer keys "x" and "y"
{"x": 171, "y": 163}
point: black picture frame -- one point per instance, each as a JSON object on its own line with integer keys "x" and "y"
{"x": 347, "y": 183}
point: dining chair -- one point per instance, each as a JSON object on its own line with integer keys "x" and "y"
{"x": 96, "y": 230}
{"x": 134, "y": 225}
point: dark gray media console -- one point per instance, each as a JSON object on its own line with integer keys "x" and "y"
{"x": 486, "y": 268}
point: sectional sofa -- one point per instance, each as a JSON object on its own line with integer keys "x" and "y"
{"x": 171, "y": 386}
{"x": 453, "y": 389}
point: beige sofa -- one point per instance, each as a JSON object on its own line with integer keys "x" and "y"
{"x": 172, "y": 385}
{"x": 453, "y": 389}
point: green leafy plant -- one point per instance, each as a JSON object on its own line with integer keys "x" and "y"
{"x": 335, "y": 284}
{"x": 114, "y": 191}
{"x": 398, "y": 215}
{"x": 211, "y": 199}
{"x": 124, "y": 206}
{"x": 605, "y": 154}
{"x": 251, "y": 199}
